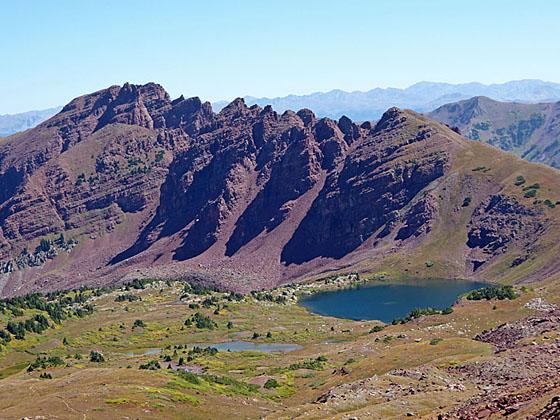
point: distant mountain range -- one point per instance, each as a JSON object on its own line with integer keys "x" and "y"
{"x": 13, "y": 123}
{"x": 421, "y": 97}
{"x": 531, "y": 131}
{"x": 358, "y": 105}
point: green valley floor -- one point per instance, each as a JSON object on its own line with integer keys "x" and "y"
{"x": 145, "y": 351}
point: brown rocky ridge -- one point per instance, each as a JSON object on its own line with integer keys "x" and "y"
{"x": 126, "y": 182}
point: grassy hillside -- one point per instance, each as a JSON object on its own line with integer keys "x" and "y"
{"x": 528, "y": 130}
{"x": 479, "y": 171}
{"x": 123, "y": 354}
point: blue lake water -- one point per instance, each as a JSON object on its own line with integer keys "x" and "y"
{"x": 388, "y": 301}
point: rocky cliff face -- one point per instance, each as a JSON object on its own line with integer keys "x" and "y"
{"x": 498, "y": 223}
{"x": 146, "y": 185}
{"x": 382, "y": 169}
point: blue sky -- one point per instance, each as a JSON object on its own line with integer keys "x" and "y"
{"x": 55, "y": 50}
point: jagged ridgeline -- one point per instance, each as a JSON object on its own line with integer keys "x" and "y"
{"x": 139, "y": 185}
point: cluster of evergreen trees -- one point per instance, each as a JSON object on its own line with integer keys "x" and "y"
{"x": 56, "y": 305}
{"x": 43, "y": 362}
{"x": 201, "y": 321}
{"x": 420, "y": 312}
{"x": 37, "y": 324}
{"x": 269, "y": 297}
{"x": 488, "y": 293}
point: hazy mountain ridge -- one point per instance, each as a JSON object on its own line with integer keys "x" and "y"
{"x": 13, "y": 123}
{"x": 531, "y": 131}
{"x": 420, "y": 97}
{"x": 358, "y": 105}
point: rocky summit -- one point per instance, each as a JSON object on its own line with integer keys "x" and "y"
{"x": 127, "y": 183}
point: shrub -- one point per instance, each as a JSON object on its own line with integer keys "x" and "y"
{"x": 151, "y": 365}
{"x": 16, "y": 311}
{"x": 127, "y": 297}
{"x": 44, "y": 245}
{"x": 96, "y": 357}
{"x": 312, "y": 364}
{"x": 189, "y": 377}
{"x": 139, "y": 323}
{"x": 17, "y": 329}
{"x": 488, "y": 293}
{"x": 235, "y": 297}
{"x": 233, "y": 384}
{"x": 81, "y": 178}
{"x": 138, "y": 284}
{"x": 419, "y": 312}
{"x": 5, "y": 336}
{"x": 467, "y": 201}
{"x": 202, "y": 321}
{"x": 531, "y": 194}
{"x": 447, "y": 311}
{"x": 520, "y": 180}
{"x": 271, "y": 383}
{"x": 201, "y": 351}
{"x": 45, "y": 362}
{"x": 377, "y": 328}
{"x": 534, "y": 186}
{"x": 387, "y": 339}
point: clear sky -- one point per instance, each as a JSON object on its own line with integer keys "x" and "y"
{"x": 54, "y": 50}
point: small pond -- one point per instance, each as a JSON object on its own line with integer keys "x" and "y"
{"x": 388, "y": 301}
{"x": 234, "y": 346}
{"x": 239, "y": 345}
{"x": 148, "y": 352}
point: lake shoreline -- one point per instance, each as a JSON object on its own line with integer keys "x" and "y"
{"x": 393, "y": 300}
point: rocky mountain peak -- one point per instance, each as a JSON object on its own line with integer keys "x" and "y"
{"x": 325, "y": 129}
{"x": 235, "y": 109}
{"x": 350, "y": 130}
{"x": 307, "y": 116}
{"x": 392, "y": 118}
{"x": 190, "y": 114}
{"x": 141, "y": 105}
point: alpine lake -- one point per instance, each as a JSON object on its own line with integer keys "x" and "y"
{"x": 388, "y": 301}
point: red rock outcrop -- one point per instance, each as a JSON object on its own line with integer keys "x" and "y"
{"x": 169, "y": 187}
